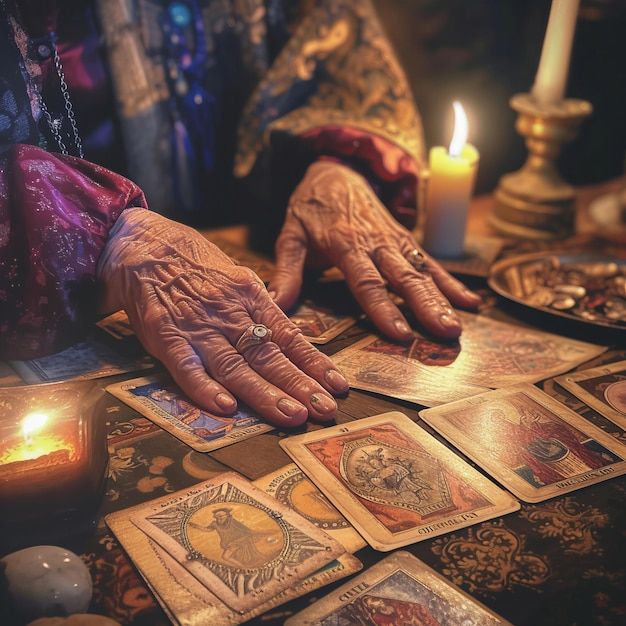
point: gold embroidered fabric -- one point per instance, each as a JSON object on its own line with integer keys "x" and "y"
{"x": 337, "y": 69}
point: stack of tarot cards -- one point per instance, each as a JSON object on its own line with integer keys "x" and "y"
{"x": 224, "y": 551}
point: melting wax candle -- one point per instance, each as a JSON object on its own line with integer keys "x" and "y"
{"x": 450, "y": 187}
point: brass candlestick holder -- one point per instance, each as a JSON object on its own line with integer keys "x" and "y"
{"x": 535, "y": 202}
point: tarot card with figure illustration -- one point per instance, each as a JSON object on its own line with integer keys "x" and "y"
{"x": 243, "y": 545}
{"x": 290, "y": 486}
{"x": 320, "y": 324}
{"x": 160, "y": 400}
{"x": 185, "y": 599}
{"x": 82, "y": 361}
{"x": 490, "y": 354}
{"x": 602, "y": 388}
{"x": 530, "y": 443}
{"x": 395, "y": 483}
{"x": 400, "y": 589}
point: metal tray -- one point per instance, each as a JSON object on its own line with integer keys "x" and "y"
{"x": 512, "y": 278}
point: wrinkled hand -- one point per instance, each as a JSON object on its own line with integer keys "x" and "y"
{"x": 189, "y": 304}
{"x": 334, "y": 218}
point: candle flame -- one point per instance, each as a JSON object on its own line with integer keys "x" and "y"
{"x": 459, "y": 136}
{"x": 32, "y": 423}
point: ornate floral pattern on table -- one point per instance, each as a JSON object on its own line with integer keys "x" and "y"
{"x": 556, "y": 562}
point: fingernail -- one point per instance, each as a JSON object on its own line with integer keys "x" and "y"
{"x": 225, "y": 402}
{"x": 470, "y": 294}
{"x": 449, "y": 321}
{"x": 291, "y": 408}
{"x": 336, "y": 381}
{"x": 323, "y": 403}
{"x": 272, "y": 294}
{"x": 402, "y": 327}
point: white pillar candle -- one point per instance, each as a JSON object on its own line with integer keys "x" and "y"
{"x": 450, "y": 188}
{"x": 551, "y": 78}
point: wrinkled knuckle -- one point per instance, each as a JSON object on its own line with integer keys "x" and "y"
{"x": 226, "y": 364}
{"x": 264, "y": 355}
{"x": 186, "y": 363}
{"x": 283, "y": 328}
{"x": 154, "y": 317}
{"x": 369, "y": 282}
{"x": 249, "y": 281}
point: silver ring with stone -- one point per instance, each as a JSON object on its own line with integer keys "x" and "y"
{"x": 417, "y": 260}
{"x": 254, "y": 335}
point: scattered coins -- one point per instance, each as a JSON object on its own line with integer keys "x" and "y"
{"x": 595, "y": 292}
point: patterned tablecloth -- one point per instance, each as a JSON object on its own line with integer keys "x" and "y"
{"x": 559, "y": 562}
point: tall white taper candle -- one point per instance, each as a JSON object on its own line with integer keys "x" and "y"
{"x": 553, "y": 68}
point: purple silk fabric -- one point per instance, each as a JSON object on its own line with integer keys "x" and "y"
{"x": 55, "y": 215}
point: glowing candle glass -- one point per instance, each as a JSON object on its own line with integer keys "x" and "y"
{"x": 53, "y": 454}
{"x": 450, "y": 187}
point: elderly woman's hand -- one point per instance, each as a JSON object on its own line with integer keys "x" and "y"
{"x": 190, "y": 304}
{"x": 334, "y": 218}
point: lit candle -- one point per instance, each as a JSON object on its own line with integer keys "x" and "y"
{"x": 53, "y": 454}
{"x": 551, "y": 78}
{"x": 450, "y": 187}
{"x": 35, "y": 444}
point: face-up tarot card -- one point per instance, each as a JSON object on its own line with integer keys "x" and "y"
{"x": 291, "y": 487}
{"x": 158, "y": 399}
{"x": 400, "y": 589}
{"x": 602, "y": 388}
{"x": 529, "y": 442}
{"x": 82, "y": 361}
{"x": 319, "y": 324}
{"x": 185, "y": 599}
{"x": 490, "y": 354}
{"x": 117, "y": 325}
{"x": 240, "y": 543}
{"x": 395, "y": 483}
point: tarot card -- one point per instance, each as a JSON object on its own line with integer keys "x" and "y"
{"x": 262, "y": 266}
{"x": 400, "y": 589}
{"x": 82, "y": 361}
{"x": 319, "y": 324}
{"x": 117, "y": 325}
{"x": 395, "y": 483}
{"x": 490, "y": 354}
{"x": 602, "y": 388}
{"x": 8, "y": 377}
{"x": 158, "y": 399}
{"x": 291, "y": 487}
{"x": 185, "y": 599}
{"x": 240, "y": 543}
{"x": 529, "y": 442}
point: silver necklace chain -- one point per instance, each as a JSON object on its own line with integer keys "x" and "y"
{"x": 55, "y": 125}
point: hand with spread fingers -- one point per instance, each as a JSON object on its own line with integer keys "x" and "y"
{"x": 213, "y": 324}
{"x": 334, "y": 218}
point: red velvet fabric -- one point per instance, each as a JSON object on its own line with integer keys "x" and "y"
{"x": 55, "y": 215}
{"x": 390, "y": 170}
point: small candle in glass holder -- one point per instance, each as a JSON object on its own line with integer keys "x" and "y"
{"x": 53, "y": 454}
{"x": 450, "y": 187}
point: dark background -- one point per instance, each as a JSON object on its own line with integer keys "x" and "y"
{"x": 483, "y": 51}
